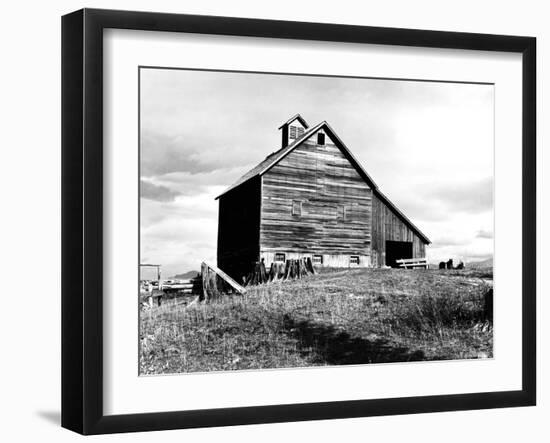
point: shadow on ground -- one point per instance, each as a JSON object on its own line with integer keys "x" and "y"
{"x": 324, "y": 344}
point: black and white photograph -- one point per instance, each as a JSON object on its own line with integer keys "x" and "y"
{"x": 271, "y": 222}
{"x": 291, "y": 221}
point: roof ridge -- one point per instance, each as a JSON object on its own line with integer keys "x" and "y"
{"x": 294, "y": 117}
{"x": 270, "y": 160}
{"x": 296, "y": 142}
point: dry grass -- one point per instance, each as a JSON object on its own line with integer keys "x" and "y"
{"x": 343, "y": 317}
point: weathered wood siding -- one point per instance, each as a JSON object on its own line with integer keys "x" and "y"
{"x": 335, "y": 202}
{"x": 239, "y": 229}
{"x": 386, "y": 225}
{"x": 329, "y": 260}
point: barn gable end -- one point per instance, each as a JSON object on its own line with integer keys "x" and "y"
{"x": 314, "y": 202}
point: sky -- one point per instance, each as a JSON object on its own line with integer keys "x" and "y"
{"x": 429, "y": 147}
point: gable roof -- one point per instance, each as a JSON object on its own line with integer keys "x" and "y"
{"x": 275, "y": 157}
{"x": 271, "y": 160}
{"x": 402, "y": 216}
{"x": 294, "y": 117}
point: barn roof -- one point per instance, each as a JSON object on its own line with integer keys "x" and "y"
{"x": 275, "y": 157}
{"x": 295, "y": 117}
{"x": 402, "y": 216}
{"x": 271, "y": 160}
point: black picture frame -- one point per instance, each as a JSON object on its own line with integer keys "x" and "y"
{"x": 82, "y": 219}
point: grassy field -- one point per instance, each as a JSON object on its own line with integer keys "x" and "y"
{"x": 334, "y": 318}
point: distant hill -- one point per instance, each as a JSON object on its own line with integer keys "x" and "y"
{"x": 186, "y": 275}
{"x": 487, "y": 263}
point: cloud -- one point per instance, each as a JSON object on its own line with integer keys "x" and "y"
{"x": 471, "y": 197}
{"x": 443, "y": 201}
{"x": 448, "y": 241}
{"x": 180, "y": 234}
{"x": 162, "y": 154}
{"x": 192, "y": 184}
{"x": 151, "y": 191}
{"x": 180, "y": 244}
{"x": 214, "y": 150}
{"x": 187, "y": 207}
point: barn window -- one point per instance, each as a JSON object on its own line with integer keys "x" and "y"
{"x": 354, "y": 260}
{"x": 317, "y": 259}
{"x": 292, "y": 132}
{"x": 296, "y": 207}
{"x": 279, "y": 256}
{"x": 343, "y": 212}
{"x": 320, "y": 138}
{"x": 296, "y": 132}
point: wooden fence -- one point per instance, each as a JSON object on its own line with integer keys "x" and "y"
{"x": 191, "y": 286}
{"x": 213, "y": 282}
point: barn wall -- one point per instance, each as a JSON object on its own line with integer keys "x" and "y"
{"x": 239, "y": 229}
{"x": 328, "y": 261}
{"x": 323, "y": 180}
{"x": 386, "y": 225}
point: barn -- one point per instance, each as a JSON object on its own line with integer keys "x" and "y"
{"x": 311, "y": 198}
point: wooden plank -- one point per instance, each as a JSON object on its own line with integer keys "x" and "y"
{"x": 411, "y": 260}
{"x": 412, "y": 263}
{"x": 178, "y": 285}
{"x": 205, "y": 283}
{"x": 224, "y": 276}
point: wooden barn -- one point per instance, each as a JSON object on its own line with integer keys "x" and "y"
{"x": 311, "y": 198}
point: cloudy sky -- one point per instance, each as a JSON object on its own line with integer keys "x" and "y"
{"x": 428, "y": 146}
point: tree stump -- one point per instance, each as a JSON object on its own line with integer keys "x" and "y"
{"x": 290, "y": 269}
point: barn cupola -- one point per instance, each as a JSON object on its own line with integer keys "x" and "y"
{"x": 293, "y": 129}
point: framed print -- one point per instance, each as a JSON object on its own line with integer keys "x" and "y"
{"x": 269, "y": 221}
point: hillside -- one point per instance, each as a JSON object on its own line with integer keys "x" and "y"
{"x": 186, "y": 275}
{"x": 488, "y": 263}
{"x": 345, "y": 317}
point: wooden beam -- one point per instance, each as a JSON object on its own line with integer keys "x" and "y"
{"x": 225, "y": 277}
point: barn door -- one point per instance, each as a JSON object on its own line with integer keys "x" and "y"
{"x": 396, "y": 250}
